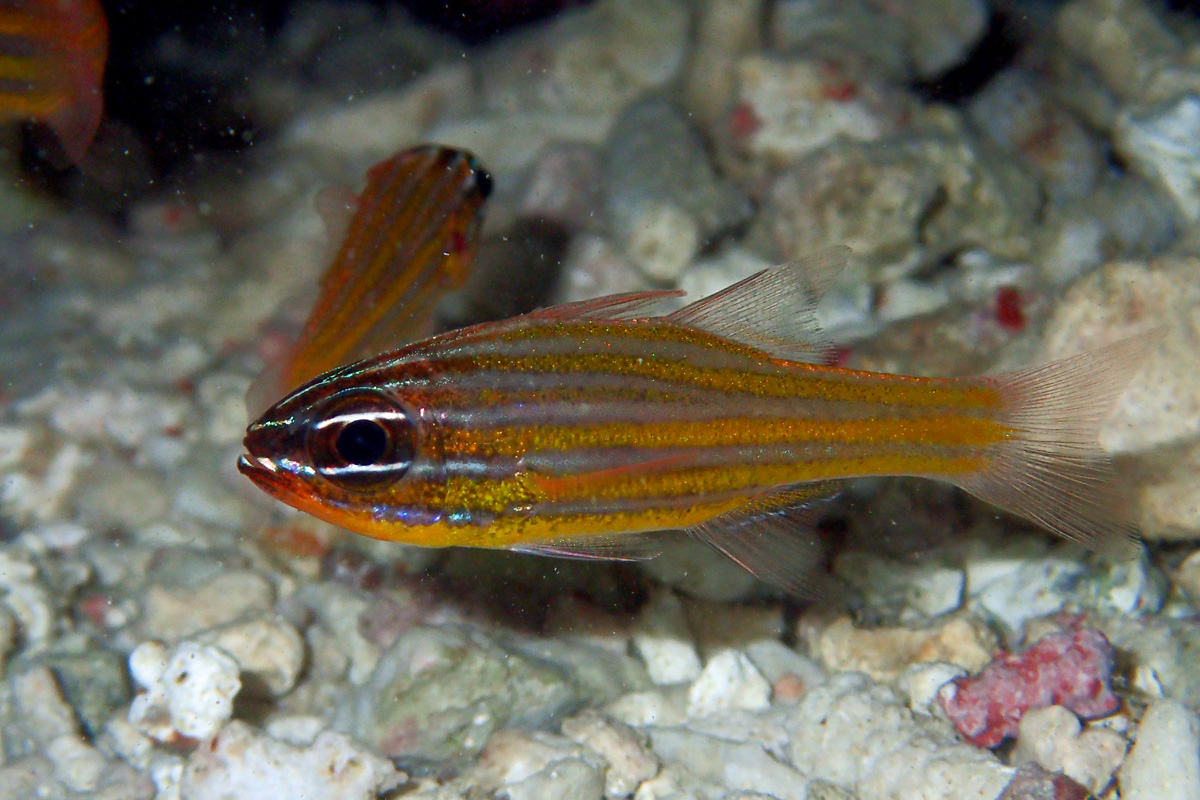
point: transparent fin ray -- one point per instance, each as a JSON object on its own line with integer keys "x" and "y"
{"x": 629, "y": 305}
{"x": 774, "y": 309}
{"x": 774, "y": 538}
{"x": 607, "y": 547}
{"x": 1052, "y": 470}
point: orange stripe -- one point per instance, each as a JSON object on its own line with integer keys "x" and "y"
{"x": 803, "y": 381}
{"x": 514, "y": 441}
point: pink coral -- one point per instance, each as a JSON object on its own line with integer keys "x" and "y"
{"x": 1071, "y": 669}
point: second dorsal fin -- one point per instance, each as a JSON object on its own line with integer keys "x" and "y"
{"x": 775, "y": 309}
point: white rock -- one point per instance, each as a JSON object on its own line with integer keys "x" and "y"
{"x": 269, "y": 650}
{"x": 653, "y": 707}
{"x": 918, "y": 591}
{"x": 40, "y": 497}
{"x": 794, "y": 110}
{"x": 175, "y": 612}
{"x": 40, "y": 707}
{"x": 662, "y": 639}
{"x": 921, "y": 683}
{"x": 28, "y": 600}
{"x": 629, "y": 762}
{"x": 729, "y": 681}
{"x": 14, "y": 444}
{"x": 298, "y": 730}
{"x": 1053, "y": 737}
{"x": 77, "y": 764}
{"x": 1162, "y": 144}
{"x": 242, "y": 763}
{"x": 774, "y": 660}
{"x": 724, "y": 30}
{"x": 523, "y": 765}
{"x": 1132, "y": 588}
{"x": 386, "y": 121}
{"x": 1164, "y": 763}
{"x": 188, "y": 692}
{"x": 660, "y": 237}
{"x": 858, "y": 735}
{"x": 739, "y": 766}
{"x": 1034, "y": 590}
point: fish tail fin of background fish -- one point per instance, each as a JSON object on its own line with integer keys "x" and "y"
{"x": 411, "y": 239}
{"x": 52, "y": 56}
{"x": 577, "y": 430}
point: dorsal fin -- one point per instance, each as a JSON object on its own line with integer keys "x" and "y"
{"x": 774, "y": 309}
{"x": 628, "y": 305}
{"x": 774, "y": 539}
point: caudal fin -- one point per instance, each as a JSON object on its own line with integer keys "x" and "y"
{"x": 1052, "y": 470}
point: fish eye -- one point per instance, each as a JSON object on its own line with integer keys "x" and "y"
{"x": 362, "y": 441}
{"x": 483, "y": 180}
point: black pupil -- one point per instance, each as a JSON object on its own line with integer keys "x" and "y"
{"x": 362, "y": 442}
{"x": 483, "y": 181}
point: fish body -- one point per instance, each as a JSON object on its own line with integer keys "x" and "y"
{"x": 411, "y": 239}
{"x": 572, "y": 430}
{"x": 52, "y": 56}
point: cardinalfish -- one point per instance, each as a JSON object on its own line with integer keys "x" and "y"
{"x": 52, "y": 55}
{"x": 577, "y": 429}
{"x": 412, "y": 239}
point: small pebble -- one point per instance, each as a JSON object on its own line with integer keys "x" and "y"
{"x": 729, "y": 680}
{"x": 185, "y": 692}
{"x": 1053, "y": 738}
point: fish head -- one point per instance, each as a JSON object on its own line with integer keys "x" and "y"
{"x": 355, "y": 455}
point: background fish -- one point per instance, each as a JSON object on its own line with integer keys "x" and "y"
{"x": 572, "y": 430}
{"x": 52, "y": 55}
{"x": 412, "y": 239}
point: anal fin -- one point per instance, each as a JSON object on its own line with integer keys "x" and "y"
{"x": 774, "y": 538}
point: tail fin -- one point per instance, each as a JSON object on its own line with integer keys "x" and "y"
{"x": 1052, "y": 470}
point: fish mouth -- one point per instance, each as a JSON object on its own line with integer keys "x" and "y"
{"x": 262, "y": 468}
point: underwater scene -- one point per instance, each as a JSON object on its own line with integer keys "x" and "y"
{"x": 600, "y": 399}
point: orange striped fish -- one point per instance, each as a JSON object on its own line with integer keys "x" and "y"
{"x": 52, "y": 55}
{"x": 411, "y": 240}
{"x": 573, "y": 430}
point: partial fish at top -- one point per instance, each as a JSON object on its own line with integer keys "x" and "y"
{"x": 52, "y": 55}
{"x": 575, "y": 430}
{"x": 411, "y": 240}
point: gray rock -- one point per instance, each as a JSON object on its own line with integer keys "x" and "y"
{"x": 439, "y": 693}
{"x": 663, "y": 199}
{"x": 1161, "y": 144}
{"x": 1016, "y": 113}
{"x": 897, "y": 202}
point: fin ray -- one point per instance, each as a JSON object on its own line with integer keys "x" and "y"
{"x": 602, "y": 547}
{"x": 774, "y": 309}
{"x": 1052, "y": 470}
{"x": 774, "y": 538}
{"x": 628, "y": 305}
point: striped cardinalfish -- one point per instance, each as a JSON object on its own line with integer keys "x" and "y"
{"x": 577, "y": 429}
{"x": 52, "y": 55}
{"x": 411, "y": 239}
